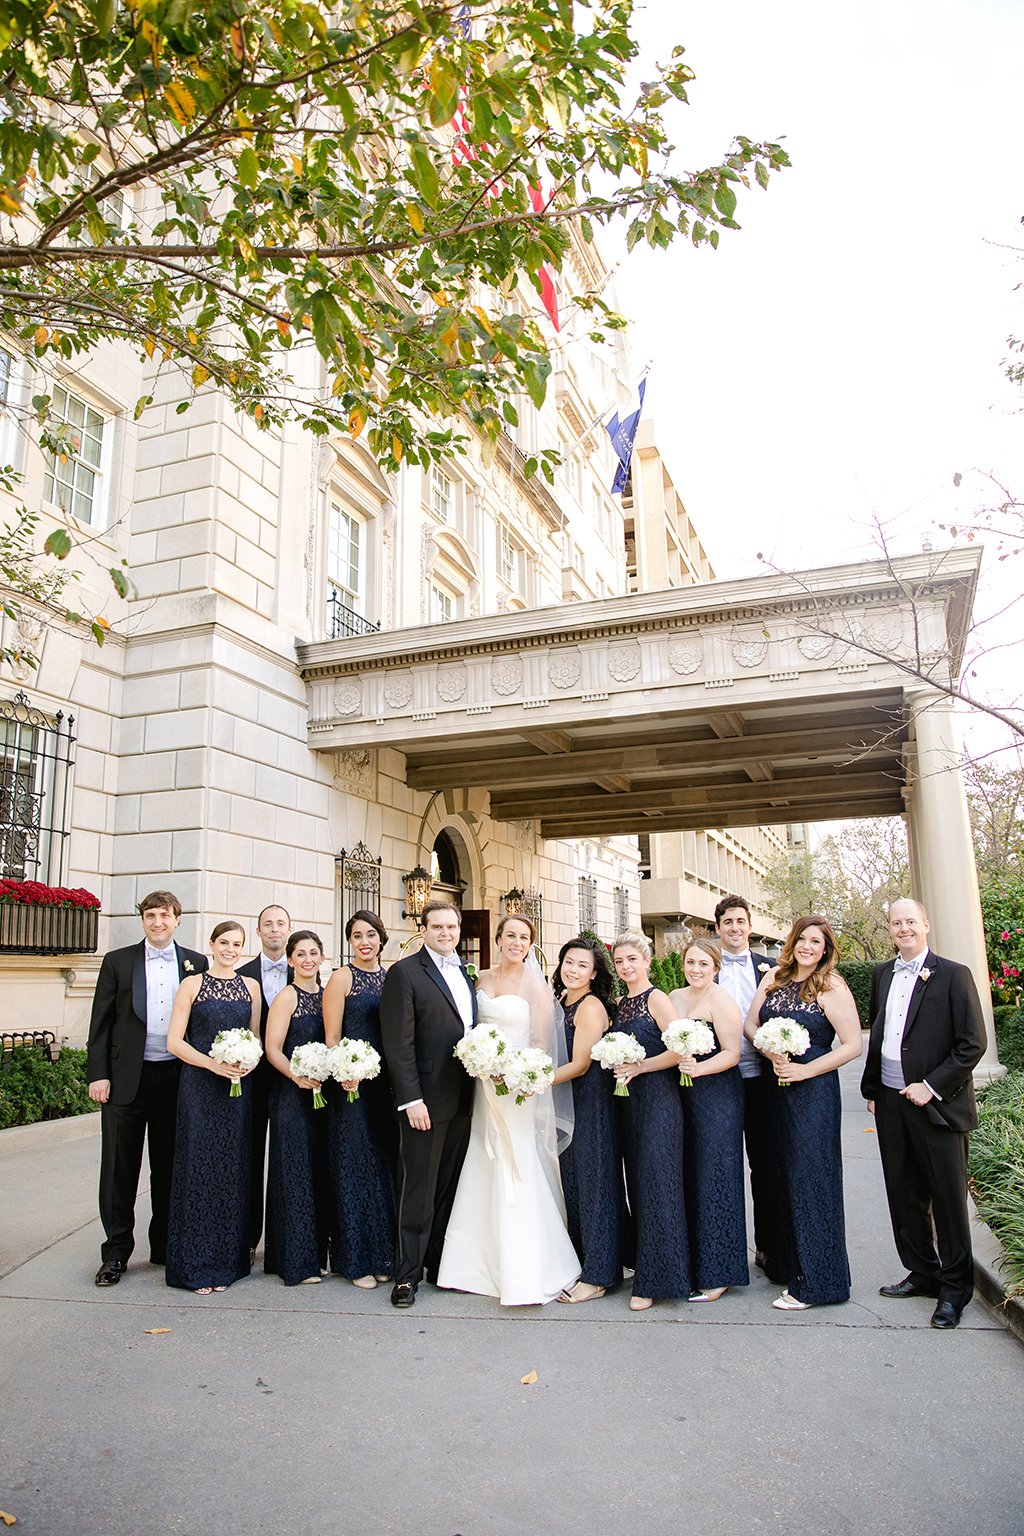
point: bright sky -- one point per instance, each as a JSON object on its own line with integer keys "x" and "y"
{"x": 840, "y": 358}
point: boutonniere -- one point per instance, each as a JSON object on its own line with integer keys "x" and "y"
{"x": 924, "y": 974}
{"x": 764, "y": 966}
{"x": 188, "y": 966}
{"x": 471, "y": 972}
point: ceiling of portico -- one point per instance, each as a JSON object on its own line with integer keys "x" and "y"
{"x": 728, "y": 704}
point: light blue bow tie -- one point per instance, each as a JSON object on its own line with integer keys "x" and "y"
{"x": 452, "y": 960}
{"x": 906, "y": 965}
{"x": 276, "y": 965}
{"x": 161, "y": 954}
{"x": 735, "y": 959}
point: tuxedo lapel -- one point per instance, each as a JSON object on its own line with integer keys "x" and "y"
{"x": 917, "y": 994}
{"x": 435, "y": 975}
{"x": 139, "y": 981}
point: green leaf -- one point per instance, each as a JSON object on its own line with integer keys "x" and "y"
{"x": 725, "y": 199}
{"x": 425, "y": 174}
{"x": 248, "y": 168}
{"x": 122, "y": 586}
{"x": 58, "y": 544}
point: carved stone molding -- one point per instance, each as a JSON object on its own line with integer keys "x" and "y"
{"x": 348, "y": 699}
{"x": 686, "y": 655}
{"x": 624, "y": 661}
{"x": 356, "y": 772}
{"x": 507, "y": 676}
{"x": 749, "y": 648}
{"x": 565, "y": 668}
{"x": 452, "y": 683}
{"x": 398, "y": 689}
{"x": 815, "y": 647}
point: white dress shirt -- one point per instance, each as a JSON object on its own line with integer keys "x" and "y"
{"x": 897, "y": 1006}
{"x": 739, "y": 978}
{"x": 161, "y": 985}
{"x": 273, "y": 976}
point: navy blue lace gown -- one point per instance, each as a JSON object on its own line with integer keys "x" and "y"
{"x": 652, "y": 1135}
{"x": 808, "y": 1253}
{"x": 716, "y": 1212}
{"x": 208, "y": 1222}
{"x": 362, "y": 1150}
{"x": 591, "y": 1168}
{"x": 297, "y": 1205}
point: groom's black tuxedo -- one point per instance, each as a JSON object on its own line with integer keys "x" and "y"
{"x": 143, "y": 1099}
{"x": 260, "y": 1080}
{"x": 421, "y": 1026}
{"x": 924, "y": 1150}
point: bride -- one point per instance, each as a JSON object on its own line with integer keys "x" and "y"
{"x": 507, "y": 1235}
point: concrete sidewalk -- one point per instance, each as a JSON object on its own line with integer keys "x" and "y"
{"x": 277, "y": 1410}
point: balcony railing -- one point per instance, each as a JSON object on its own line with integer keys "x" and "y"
{"x": 343, "y": 621}
{"x": 28, "y": 930}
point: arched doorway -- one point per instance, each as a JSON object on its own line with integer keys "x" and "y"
{"x": 448, "y": 857}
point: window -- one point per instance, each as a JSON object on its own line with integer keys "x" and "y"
{"x": 36, "y": 759}
{"x": 511, "y": 560}
{"x": 345, "y": 554}
{"x": 440, "y": 495}
{"x": 442, "y": 605}
{"x": 587, "y": 899}
{"x": 75, "y": 479}
{"x": 620, "y": 900}
{"x": 10, "y": 378}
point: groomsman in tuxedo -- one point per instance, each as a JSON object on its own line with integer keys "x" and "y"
{"x": 427, "y": 1005}
{"x": 927, "y": 1036}
{"x": 135, "y": 1078}
{"x": 272, "y": 971}
{"x": 740, "y": 976}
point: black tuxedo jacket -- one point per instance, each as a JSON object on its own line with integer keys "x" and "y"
{"x": 117, "y": 1028}
{"x": 943, "y": 1041}
{"x": 421, "y": 1027}
{"x": 251, "y": 968}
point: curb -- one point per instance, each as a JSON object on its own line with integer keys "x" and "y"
{"x": 988, "y": 1261}
{"x": 47, "y": 1133}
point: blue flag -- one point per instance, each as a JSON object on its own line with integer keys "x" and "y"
{"x": 623, "y": 435}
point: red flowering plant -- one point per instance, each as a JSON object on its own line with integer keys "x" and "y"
{"x": 32, "y": 893}
{"x": 1002, "y": 910}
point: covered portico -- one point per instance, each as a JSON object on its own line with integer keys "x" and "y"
{"x": 795, "y": 698}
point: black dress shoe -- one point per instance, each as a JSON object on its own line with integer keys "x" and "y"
{"x": 110, "y": 1271}
{"x": 403, "y": 1296}
{"x": 904, "y": 1288}
{"x": 946, "y": 1315}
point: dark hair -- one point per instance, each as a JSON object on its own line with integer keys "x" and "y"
{"x": 228, "y": 926}
{"x": 820, "y": 979}
{"x": 160, "y": 899}
{"x": 272, "y": 907}
{"x": 602, "y": 983}
{"x": 515, "y": 917}
{"x": 706, "y": 947}
{"x": 727, "y": 902}
{"x": 364, "y": 916}
{"x": 297, "y": 938}
{"x": 440, "y": 905}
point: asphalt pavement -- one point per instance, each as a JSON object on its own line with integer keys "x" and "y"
{"x": 145, "y": 1411}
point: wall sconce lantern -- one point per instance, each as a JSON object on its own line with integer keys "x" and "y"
{"x": 512, "y": 902}
{"x": 418, "y": 886}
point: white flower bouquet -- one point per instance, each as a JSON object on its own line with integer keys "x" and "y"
{"x": 354, "y": 1061}
{"x": 689, "y": 1037}
{"x": 782, "y": 1037}
{"x": 617, "y": 1049}
{"x": 483, "y": 1053}
{"x": 527, "y": 1072}
{"x": 312, "y": 1060}
{"x": 236, "y": 1048}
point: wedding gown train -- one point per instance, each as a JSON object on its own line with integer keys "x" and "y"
{"x": 507, "y": 1234}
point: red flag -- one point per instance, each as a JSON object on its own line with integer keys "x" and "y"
{"x": 548, "y": 292}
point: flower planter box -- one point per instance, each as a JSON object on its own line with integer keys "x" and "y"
{"x": 28, "y": 930}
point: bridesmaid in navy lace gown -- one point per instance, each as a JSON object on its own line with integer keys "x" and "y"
{"x": 208, "y": 1226}
{"x": 652, "y": 1129}
{"x": 297, "y": 1206}
{"x": 591, "y": 1165}
{"x": 713, "y": 1107}
{"x": 804, "y": 1116}
{"x": 362, "y": 1141}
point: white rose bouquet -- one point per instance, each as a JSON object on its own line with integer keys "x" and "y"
{"x": 527, "y": 1072}
{"x": 689, "y": 1037}
{"x": 483, "y": 1053}
{"x": 782, "y": 1037}
{"x": 236, "y": 1048}
{"x": 617, "y": 1049}
{"x": 312, "y": 1060}
{"x": 354, "y": 1061}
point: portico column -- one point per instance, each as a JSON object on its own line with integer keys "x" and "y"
{"x": 943, "y": 871}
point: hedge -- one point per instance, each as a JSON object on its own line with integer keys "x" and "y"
{"x": 996, "y": 1169}
{"x": 33, "y": 1088}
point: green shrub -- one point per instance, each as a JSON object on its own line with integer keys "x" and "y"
{"x": 997, "y": 1169}
{"x": 1001, "y": 1011}
{"x": 1010, "y": 1037}
{"x": 857, "y": 974}
{"x": 32, "y": 1088}
{"x": 1002, "y": 911}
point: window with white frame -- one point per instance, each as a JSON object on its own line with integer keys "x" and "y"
{"x": 8, "y": 424}
{"x": 345, "y": 553}
{"x": 75, "y": 477}
{"x": 586, "y": 899}
{"x": 441, "y": 499}
{"x": 511, "y": 559}
{"x": 442, "y": 604}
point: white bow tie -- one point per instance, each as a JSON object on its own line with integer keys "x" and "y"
{"x": 160, "y": 954}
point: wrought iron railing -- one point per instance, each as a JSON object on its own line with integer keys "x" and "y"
{"x": 36, "y": 762}
{"x": 358, "y": 889}
{"x": 342, "y": 620}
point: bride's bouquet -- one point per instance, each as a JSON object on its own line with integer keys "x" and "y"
{"x": 354, "y": 1060}
{"x": 782, "y": 1037}
{"x": 236, "y": 1048}
{"x": 617, "y": 1049}
{"x": 527, "y": 1072}
{"x": 483, "y": 1052}
{"x": 312, "y": 1060}
{"x": 689, "y": 1037}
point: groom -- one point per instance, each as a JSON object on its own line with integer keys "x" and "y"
{"x": 427, "y": 1005}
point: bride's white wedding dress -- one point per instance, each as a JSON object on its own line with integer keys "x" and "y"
{"x": 507, "y": 1235}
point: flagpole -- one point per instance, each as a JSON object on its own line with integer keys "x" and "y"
{"x": 600, "y": 417}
